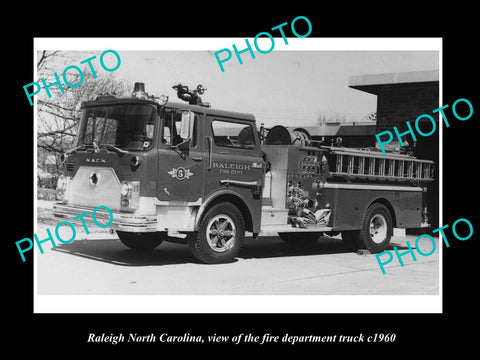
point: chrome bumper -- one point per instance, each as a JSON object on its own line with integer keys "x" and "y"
{"x": 121, "y": 221}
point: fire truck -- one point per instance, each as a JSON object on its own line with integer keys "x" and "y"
{"x": 187, "y": 173}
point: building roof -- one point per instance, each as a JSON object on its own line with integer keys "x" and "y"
{"x": 372, "y": 83}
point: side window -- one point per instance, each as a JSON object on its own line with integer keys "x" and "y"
{"x": 171, "y": 130}
{"x": 167, "y": 138}
{"x": 231, "y": 134}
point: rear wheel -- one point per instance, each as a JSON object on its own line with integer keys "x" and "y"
{"x": 220, "y": 236}
{"x": 376, "y": 228}
{"x": 141, "y": 241}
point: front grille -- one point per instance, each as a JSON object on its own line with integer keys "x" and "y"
{"x": 83, "y": 192}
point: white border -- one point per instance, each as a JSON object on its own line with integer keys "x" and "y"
{"x": 245, "y": 304}
{"x": 249, "y": 303}
{"x": 192, "y": 44}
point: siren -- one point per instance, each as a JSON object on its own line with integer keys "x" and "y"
{"x": 139, "y": 91}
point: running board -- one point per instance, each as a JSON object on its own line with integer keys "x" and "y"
{"x": 273, "y": 230}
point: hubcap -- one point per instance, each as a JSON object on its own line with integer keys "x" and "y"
{"x": 221, "y": 233}
{"x": 378, "y": 228}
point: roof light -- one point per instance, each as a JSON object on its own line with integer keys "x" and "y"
{"x": 139, "y": 91}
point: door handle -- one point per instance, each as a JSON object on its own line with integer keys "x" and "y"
{"x": 196, "y": 158}
{"x": 239, "y": 183}
{"x": 210, "y": 152}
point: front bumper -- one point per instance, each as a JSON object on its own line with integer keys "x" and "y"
{"x": 121, "y": 221}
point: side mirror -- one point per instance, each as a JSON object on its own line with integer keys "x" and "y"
{"x": 186, "y": 125}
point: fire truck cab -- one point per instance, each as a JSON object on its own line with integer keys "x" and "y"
{"x": 187, "y": 173}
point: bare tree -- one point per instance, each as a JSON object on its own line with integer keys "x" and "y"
{"x": 58, "y": 115}
{"x": 339, "y": 117}
{"x": 336, "y": 117}
{"x": 322, "y": 118}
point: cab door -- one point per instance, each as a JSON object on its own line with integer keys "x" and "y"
{"x": 180, "y": 168}
{"x": 235, "y": 162}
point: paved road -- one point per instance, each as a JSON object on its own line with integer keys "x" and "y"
{"x": 102, "y": 265}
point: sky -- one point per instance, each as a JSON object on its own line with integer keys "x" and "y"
{"x": 291, "y": 85}
{"x": 278, "y": 88}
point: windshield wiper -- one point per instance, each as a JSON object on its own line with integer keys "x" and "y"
{"x": 114, "y": 148}
{"x": 81, "y": 147}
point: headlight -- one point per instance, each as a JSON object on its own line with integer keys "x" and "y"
{"x": 130, "y": 193}
{"x": 124, "y": 190}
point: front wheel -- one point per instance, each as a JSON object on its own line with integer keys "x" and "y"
{"x": 141, "y": 241}
{"x": 220, "y": 236}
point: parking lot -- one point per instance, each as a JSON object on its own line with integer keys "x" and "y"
{"x": 99, "y": 264}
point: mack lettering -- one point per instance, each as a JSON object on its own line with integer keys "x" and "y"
{"x": 94, "y": 160}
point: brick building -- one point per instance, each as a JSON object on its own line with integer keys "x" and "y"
{"x": 403, "y": 97}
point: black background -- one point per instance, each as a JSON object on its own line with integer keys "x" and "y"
{"x": 61, "y": 335}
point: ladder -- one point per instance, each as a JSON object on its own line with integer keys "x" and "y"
{"x": 367, "y": 164}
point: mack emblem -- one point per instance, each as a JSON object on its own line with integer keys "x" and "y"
{"x": 180, "y": 173}
{"x": 95, "y": 160}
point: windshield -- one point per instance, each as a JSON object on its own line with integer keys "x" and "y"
{"x": 127, "y": 126}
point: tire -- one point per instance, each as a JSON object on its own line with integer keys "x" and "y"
{"x": 300, "y": 239}
{"x": 220, "y": 236}
{"x": 376, "y": 229}
{"x": 141, "y": 241}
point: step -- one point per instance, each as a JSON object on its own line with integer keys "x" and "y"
{"x": 273, "y": 230}
{"x": 271, "y": 215}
